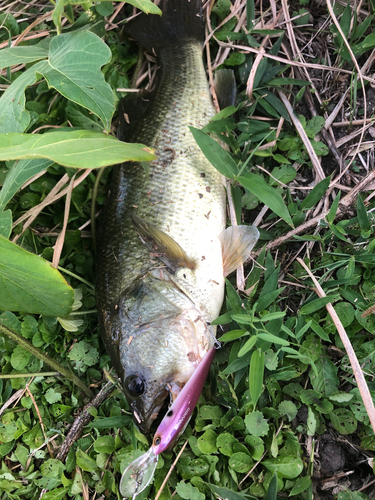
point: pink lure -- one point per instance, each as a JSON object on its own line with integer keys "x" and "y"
{"x": 138, "y": 475}
{"x": 178, "y": 415}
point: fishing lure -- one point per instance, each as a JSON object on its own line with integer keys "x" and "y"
{"x": 138, "y": 475}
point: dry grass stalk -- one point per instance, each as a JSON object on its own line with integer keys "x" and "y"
{"x": 357, "y": 370}
{"x": 361, "y": 78}
{"x": 171, "y": 470}
{"x": 53, "y": 196}
{"x": 322, "y": 67}
{"x": 319, "y": 174}
{"x": 347, "y": 200}
{"x": 61, "y": 237}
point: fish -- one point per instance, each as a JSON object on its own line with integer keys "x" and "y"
{"x": 163, "y": 249}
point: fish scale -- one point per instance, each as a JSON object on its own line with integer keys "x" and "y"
{"x": 155, "y": 320}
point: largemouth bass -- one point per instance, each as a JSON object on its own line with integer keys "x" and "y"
{"x": 160, "y": 275}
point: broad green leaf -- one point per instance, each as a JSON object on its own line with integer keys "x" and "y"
{"x": 20, "y": 358}
{"x": 13, "y": 115}
{"x": 362, "y": 215}
{"x": 52, "y": 468}
{"x": 287, "y": 81}
{"x": 272, "y": 488}
{"x": 245, "y": 319}
{"x": 288, "y": 409}
{"x": 110, "y": 422}
{"x": 80, "y": 117}
{"x": 273, "y": 338}
{"x": 343, "y": 421}
{"x": 74, "y": 69}
{"x": 85, "y": 462}
{"x": 5, "y": 223}
{"x": 226, "y": 493}
{"x": 215, "y": 154}
{"x": 224, "y": 113}
{"x": 105, "y": 444}
{"x": 256, "y": 423}
{"x": 188, "y": 491}
{"x": 351, "y": 495}
{"x": 30, "y": 284}
{"x": 256, "y": 373}
{"x": 225, "y": 442}
{"x": 248, "y": 345}
{"x": 266, "y": 194}
{"x": 52, "y": 396}
{"x": 20, "y": 173}
{"x": 21, "y": 55}
{"x": 207, "y": 442}
{"x": 301, "y": 485}
{"x": 76, "y": 148}
{"x": 232, "y": 335}
{"x": 289, "y": 467}
{"x": 332, "y": 211}
{"x": 316, "y": 194}
{"x": 341, "y": 397}
{"x": 144, "y": 5}
{"x": 326, "y": 380}
{"x": 314, "y": 126}
{"x": 273, "y": 316}
{"x": 240, "y": 462}
{"x": 255, "y": 446}
{"x": 197, "y": 467}
{"x": 56, "y": 493}
{"x": 316, "y": 304}
{"x": 316, "y": 328}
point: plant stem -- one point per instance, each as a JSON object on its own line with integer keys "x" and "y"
{"x": 28, "y": 375}
{"x": 44, "y": 357}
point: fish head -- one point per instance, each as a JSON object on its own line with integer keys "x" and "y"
{"x": 161, "y": 357}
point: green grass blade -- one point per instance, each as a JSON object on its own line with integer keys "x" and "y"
{"x": 266, "y": 194}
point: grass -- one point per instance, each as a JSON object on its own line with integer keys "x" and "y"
{"x": 282, "y": 413}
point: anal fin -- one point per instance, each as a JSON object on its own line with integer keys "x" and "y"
{"x": 237, "y": 243}
{"x": 163, "y": 245}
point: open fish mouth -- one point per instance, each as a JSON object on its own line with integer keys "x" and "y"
{"x": 146, "y": 411}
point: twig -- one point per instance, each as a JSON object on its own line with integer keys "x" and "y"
{"x": 171, "y": 470}
{"x": 83, "y": 419}
{"x": 348, "y": 123}
{"x": 357, "y": 370}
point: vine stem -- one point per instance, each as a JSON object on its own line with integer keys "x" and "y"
{"x": 44, "y": 357}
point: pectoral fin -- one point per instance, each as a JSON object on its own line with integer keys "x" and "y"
{"x": 160, "y": 243}
{"x": 237, "y": 243}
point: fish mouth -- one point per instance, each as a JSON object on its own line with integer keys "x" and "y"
{"x": 145, "y": 415}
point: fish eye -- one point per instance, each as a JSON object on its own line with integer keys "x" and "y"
{"x": 135, "y": 385}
